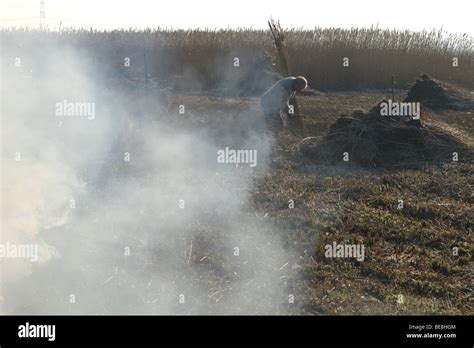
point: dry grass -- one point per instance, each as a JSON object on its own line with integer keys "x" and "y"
{"x": 374, "y": 141}
{"x": 408, "y": 251}
{"x": 206, "y": 57}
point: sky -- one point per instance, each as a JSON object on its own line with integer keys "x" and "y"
{"x": 453, "y": 16}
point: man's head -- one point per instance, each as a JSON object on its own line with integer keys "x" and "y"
{"x": 300, "y": 84}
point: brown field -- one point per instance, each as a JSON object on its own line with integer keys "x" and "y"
{"x": 409, "y": 266}
{"x": 409, "y": 250}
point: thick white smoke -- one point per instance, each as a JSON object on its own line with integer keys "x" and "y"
{"x": 131, "y": 214}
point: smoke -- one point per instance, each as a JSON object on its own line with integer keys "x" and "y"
{"x": 131, "y": 212}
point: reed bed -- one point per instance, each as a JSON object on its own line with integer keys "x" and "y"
{"x": 207, "y": 56}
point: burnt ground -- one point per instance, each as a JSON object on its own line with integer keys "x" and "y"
{"x": 409, "y": 266}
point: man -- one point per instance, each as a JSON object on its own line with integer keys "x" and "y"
{"x": 276, "y": 99}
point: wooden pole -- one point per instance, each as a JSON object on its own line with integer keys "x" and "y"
{"x": 296, "y": 124}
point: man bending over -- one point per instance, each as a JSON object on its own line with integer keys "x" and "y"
{"x": 275, "y": 100}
